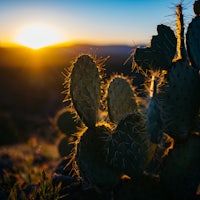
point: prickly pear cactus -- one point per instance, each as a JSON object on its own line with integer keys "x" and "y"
{"x": 178, "y": 111}
{"x": 121, "y": 99}
{"x": 128, "y": 148}
{"x": 85, "y": 89}
{"x": 103, "y": 154}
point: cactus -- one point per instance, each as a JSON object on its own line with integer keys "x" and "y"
{"x": 171, "y": 109}
{"x": 139, "y": 143}
{"x": 99, "y": 160}
{"x": 177, "y": 110}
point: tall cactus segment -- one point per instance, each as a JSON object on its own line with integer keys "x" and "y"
{"x": 85, "y": 89}
{"x": 121, "y": 99}
{"x": 181, "y": 51}
{"x": 128, "y": 148}
{"x": 154, "y": 123}
{"x": 161, "y": 52}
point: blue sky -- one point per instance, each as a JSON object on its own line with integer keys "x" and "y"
{"x": 104, "y": 22}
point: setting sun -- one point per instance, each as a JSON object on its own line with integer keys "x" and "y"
{"x": 37, "y": 36}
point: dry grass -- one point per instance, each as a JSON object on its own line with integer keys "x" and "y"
{"x": 27, "y": 165}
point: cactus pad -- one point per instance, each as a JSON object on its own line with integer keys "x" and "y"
{"x": 161, "y": 52}
{"x": 85, "y": 89}
{"x": 120, "y": 98}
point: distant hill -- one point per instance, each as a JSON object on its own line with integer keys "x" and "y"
{"x": 32, "y": 81}
{"x": 20, "y": 56}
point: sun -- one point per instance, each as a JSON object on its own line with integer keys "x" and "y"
{"x": 36, "y": 36}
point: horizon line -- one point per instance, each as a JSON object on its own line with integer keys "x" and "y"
{"x": 69, "y": 44}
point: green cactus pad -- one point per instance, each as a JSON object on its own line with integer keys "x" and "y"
{"x": 180, "y": 100}
{"x": 91, "y": 158}
{"x": 85, "y": 89}
{"x": 67, "y": 121}
{"x": 120, "y": 98}
{"x": 161, "y": 52}
{"x": 193, "y": 42}
{"x": 128, "y": 148}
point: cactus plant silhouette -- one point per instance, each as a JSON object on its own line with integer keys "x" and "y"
{"x": 133, "y": 141}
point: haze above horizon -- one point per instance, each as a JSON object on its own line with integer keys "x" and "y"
{"x": 94, "y": 22}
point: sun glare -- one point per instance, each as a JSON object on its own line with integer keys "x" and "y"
{"x": 37, "y": 36}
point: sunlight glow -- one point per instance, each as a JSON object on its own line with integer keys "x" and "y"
{"x": 37, "y": 36}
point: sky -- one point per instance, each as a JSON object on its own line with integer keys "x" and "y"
{"x": 128, "y": 22}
